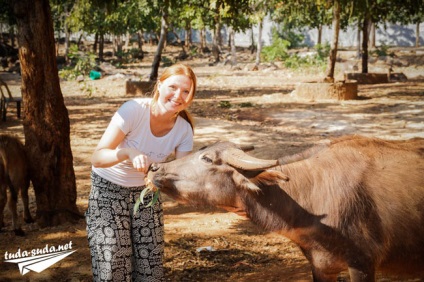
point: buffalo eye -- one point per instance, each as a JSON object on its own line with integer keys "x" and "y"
{"x": 206, "y": 159}
{"x": 153, "y": 167}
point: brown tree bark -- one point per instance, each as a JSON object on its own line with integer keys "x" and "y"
{"x": 365, "y": 37}
{"x": 232, "y": 46}
{"x": 358, "y": 40}
{"x": 216, "y": 39}
{"x": 417, "y": 35}
{"x": 45, "y": 117}
{"x": 202, "y": 40}
{"x": 101, "y": 45}
{"x": 96, "y": 42}
{"x": 329, "y": 76}
{"x": 163, "y": 31}
{"x": 259, "y": 49}
{"x": 319, "y": 39}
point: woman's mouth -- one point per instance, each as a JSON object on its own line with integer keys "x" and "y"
{"x": 174, "y": 103}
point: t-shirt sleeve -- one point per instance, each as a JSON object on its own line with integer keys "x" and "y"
{"x": 125, "y": 116}
{"x": 186, "y": 144}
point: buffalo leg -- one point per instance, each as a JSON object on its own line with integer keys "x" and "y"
{"x": 322, "y": 265}
{"x": 361, "y": 275}
{"x": 27, "y": 213}
{"x": 13, "y": 209}
{"x": 319, "y": 276}
{"x": 3, "y": 201}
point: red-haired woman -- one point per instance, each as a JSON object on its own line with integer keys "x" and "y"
{"x": 127, "y": 247}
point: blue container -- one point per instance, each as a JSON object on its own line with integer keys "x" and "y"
{"x": 95, "y": 75}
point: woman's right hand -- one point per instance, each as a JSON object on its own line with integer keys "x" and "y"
{"x": 140, "y": 162}
{"x": 107, "y": 154}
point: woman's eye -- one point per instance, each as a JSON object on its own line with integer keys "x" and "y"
{"x": 206, "y": 159}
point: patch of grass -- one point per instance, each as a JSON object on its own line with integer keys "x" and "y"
{"x": 224, "y": 104}
{"x": 246, "y": 105}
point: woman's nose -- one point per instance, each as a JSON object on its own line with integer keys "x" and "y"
{"x": 177, "y": 92}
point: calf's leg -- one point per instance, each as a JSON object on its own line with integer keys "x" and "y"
{"x": 13, "y": 209}
{"x": 27, "y": 213}
{"x": 3, "y": 201}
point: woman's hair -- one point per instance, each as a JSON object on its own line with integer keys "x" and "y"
{"x": 178, "y": 69}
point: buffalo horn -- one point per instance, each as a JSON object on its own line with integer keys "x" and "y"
{"x": 247, "y": 148}
{"x": 239, "y": 159}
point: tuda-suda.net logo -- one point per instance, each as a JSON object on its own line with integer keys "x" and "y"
{"x": 38, "y": 259}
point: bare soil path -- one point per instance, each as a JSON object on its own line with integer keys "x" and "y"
{"x": 246, "y": 107}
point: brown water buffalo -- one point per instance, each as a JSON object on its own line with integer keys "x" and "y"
{"x": 356, "y": 204}
{"x": 14, "y": 174}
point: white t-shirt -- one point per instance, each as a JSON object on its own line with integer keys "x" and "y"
{"x": 133, "y": 118}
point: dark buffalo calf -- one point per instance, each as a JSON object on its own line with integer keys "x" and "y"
{"x": 13, "y": 174}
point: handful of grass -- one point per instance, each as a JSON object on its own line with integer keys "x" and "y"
{"x": 150, "y": 188}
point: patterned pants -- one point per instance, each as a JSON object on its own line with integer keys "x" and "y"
{"x": 123, "y": 247}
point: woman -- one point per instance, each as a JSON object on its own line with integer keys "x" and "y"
{"x": 127, "y": 247}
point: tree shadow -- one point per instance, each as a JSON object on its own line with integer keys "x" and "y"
{"x": 235, "y": 261}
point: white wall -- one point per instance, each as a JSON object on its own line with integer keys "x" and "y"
{"x": 392, "y": 34}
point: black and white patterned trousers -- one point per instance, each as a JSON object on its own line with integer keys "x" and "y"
{"x": 123, "y": 246}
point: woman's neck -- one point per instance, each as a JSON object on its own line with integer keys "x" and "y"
{"x": 161, "y": 122}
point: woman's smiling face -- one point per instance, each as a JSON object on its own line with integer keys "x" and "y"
{"x": 175, "y": 93}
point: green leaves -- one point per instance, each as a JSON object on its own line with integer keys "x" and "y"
{"x": 148, "y": 190}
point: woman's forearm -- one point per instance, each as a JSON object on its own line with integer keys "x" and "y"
{"x": 108, "y": 157}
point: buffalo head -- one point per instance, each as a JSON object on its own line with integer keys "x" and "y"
{"x": 209, "y": 176}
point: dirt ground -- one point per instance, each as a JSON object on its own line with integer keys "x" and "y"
{"x": 239, "y": 105}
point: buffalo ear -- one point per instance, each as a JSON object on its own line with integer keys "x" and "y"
{"x": 244, "y": 182}
{"x": 269, "y": 177}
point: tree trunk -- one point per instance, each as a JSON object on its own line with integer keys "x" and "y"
{"x": 153, "y": 37}
{"x": 202, "y": 40}
{"x": 161, "y": 44}
{"x": 417, "y": 35}
{"x": 140, "y": 40}
{"x": 12, "y": 36}
{"x": 101, "y": 46}
{"x": 365, "y": 44}
{"x": 67, "y": 35}
{"x": 114, "y": 45}
{"x": 140, "y": 45}
{"x": 372, "y": 37}
{"x": 216, "y": 39}
{"x": 259, "y": 49}
{"x": 252, "y": 41}
{"x": 79, "y": 42}
{"x": 188, "y": 42}
{"x": 333, "y": 52}
{"x": 319, "y": 40}
{"x": 127, "y": 41}
{"x": 179, "y": 42}
{"x": 190, "y": 37}
{"x": 118, "y": 47}
{"x": 96, "y": 41}
{"x": 358, "y": 40}
{"x": 57, "y": 43}
{"x": 45, "y": 120}
{"x": 233, "y": 47}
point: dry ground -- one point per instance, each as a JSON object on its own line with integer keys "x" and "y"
{"x": 263, "y": 113}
